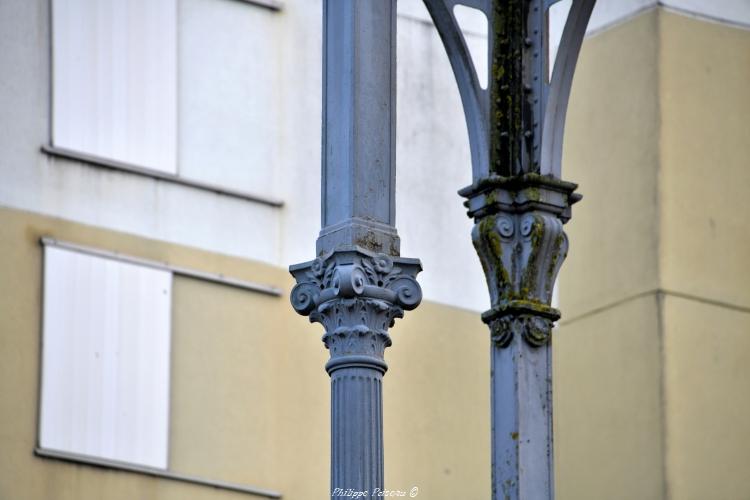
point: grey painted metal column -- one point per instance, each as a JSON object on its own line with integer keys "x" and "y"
{"x": 519, "y": 205}
{"x": 358, "y": 285}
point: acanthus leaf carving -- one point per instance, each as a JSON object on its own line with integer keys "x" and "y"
{"x": 356, "y": 295}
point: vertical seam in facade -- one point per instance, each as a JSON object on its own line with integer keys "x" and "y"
{"x": 659, "y": 180}
{"x": 662, "y": 391}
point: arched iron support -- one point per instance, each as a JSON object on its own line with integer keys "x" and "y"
{"x": 473, "y": 97}
{"x": 552, "y": 98}
{"x": 519, "y": 205}
{"x": 560, "y": 85}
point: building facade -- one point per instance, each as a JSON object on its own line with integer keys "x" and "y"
{"x": 652, "y": 402}
{"x": 160, "y": 168}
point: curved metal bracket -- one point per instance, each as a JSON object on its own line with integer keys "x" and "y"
{"x": 560, "y": 85}
{"x": 545, "y": 103}
{"x": 473, "y": 97}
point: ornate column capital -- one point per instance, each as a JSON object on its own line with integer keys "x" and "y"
{"x": 519, "y": 237}
{"x": 356, "y": 295}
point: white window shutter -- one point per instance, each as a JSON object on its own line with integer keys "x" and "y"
{"x": 115, "y": 80}
{"x": 106, "y": 358}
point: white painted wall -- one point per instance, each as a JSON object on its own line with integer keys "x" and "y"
{"x": 230, "y": 98}
{"x": 433, "y": 162}
{"x": 39, "y": 183}
{"x": 730, "y": 11}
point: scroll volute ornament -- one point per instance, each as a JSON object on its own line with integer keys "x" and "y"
{"x": 356, "y": 295}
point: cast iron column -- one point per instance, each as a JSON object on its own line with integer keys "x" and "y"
{"x": 519, "y": 205}
{"x": 358, "y": 285}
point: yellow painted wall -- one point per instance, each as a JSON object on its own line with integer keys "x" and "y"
{"x": 705, "y": 256}
{"x": 707, "y": 376}
{"x": 652, "y": 358}
{"x": 250, "y": 397}
{"x": 611, "y": 150}
{"x": 608, "y": 405}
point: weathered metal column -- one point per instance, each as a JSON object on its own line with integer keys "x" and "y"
{"x": 358, "y": 284}
{"x": 519, "y": 205}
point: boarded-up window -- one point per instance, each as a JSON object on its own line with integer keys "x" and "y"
{"x": 115, "y": 80}
{"x": 106, "y": 346}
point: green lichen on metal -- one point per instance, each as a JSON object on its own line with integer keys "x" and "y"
{"x": 491, "y": 198}
{"x": 533, "y": 185}
{"x": 490, "y": 248}
{"x": 529, "y": 277}
{"x": 519, "y": 236}
{"x": 533, "y": 193}
{"x": 370, "y": 242}
{"x": 506, "y": 86}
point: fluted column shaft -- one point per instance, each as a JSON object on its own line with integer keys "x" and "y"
{"x": 356, "y": 430}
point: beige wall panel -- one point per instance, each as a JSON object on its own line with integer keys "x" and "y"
{"x": 607, "y": 405}
{"x": 20, "y": 333}
{"x": 708, "y": 409}
{"x": 437, "y": 404}
{"x": 250, "y": 396}
{"x": 224, "y": 383}
{"x": 302, "y": 401}
{"x": 705, "y": 106}
{"x": 611, "y": 150}
{"x": 34, "y": 479}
